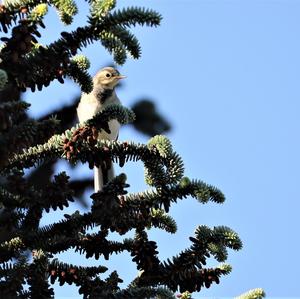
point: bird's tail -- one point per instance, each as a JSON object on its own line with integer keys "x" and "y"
{"x": 100, "y": 179}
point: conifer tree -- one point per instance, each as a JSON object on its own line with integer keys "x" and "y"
{"x": 26, "y": 143}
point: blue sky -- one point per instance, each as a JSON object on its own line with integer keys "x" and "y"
{"x": 226, "y": 75}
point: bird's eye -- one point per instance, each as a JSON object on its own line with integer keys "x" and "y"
{"x": 108, "y": 75}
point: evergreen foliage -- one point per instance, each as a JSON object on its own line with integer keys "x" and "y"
{"x": 27, "y": 249}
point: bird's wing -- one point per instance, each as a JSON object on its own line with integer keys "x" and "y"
{"x": 87, "y": 108}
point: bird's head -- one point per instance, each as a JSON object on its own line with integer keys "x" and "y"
{"x": 108, "y": 77}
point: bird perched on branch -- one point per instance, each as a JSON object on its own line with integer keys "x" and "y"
{"x": 102, "y": 95}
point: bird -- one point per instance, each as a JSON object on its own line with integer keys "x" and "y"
{"x": 102, "y": 95}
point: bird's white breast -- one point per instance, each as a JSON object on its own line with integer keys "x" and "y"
{"x": 88, "y": 107}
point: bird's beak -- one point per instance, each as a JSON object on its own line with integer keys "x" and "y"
{"x": 120, "y": 77}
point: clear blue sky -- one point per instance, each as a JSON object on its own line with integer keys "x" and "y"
{"x": 226, "y": 74}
